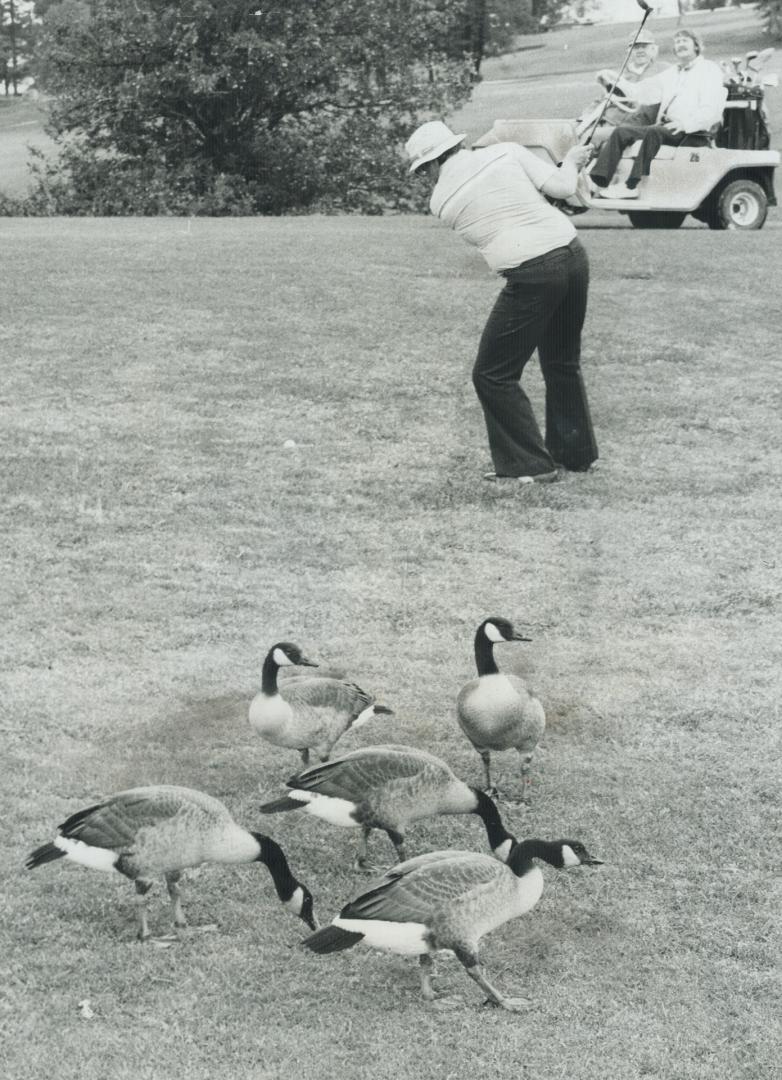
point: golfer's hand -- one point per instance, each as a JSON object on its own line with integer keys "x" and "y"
{"x": 673, "y": 128}
{"x": 579, "y": 156}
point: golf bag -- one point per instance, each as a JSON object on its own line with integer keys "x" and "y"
{"x": 744, "y": 120}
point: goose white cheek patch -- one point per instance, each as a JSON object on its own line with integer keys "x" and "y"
{"x": 295, "y": 902}
{"x": 281, "y": 659}
{"x": 502, "y": 851}
{"x": 363, "y": 716}
{"x": 492, "y": 633}
{"x": 94, "y": 857}
{"x": 569, "y": 856}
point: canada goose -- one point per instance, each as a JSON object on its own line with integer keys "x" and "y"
{"x": 496, "y": 711}
{"x": 150, "y": 831}
{"x": 448, "y": 900}
{"x": 307, "y": 713}
{"x": 388, "y": 787}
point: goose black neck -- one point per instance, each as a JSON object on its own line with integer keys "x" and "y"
{"x": 273, "y": 856}
{"x": 486, "y": 809}
{"x": 269, "y": 675}
{"x": 520, "y": 858}
{"x": 484, "y": 654}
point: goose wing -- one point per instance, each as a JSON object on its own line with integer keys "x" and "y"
{"x": 115, "y": 823}
{"x": 304, "y": 694}
{"x": 417, "y": 889}
{"x": 356, "y": 775}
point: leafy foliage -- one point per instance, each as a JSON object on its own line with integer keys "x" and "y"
{"x": 17, "y": 37}
{"x": 771, "y": 15}
{"x": 226, "y": 104}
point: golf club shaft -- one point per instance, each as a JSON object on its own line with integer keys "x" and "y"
{"x": 614, "y": 84}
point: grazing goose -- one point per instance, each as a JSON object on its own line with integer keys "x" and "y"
{"x": 496, "y": 711}
{"x": 388, "y": 787}
{"x": 307, "y": 712}
{"x": 448, "y": 900}
{"x": 152, "y": 831}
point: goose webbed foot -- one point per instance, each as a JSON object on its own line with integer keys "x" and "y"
{"x": 364, "y": 866}
{"x": 510, "y": 1004}
{"x": 520, "y": 803}
{"x": 446, "y": 1001}
{"x": 163, "y": 941}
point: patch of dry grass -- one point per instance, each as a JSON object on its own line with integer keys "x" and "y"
{"x": 159, "y": 537}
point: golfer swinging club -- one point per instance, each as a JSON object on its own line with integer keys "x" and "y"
{"x": 494, "y": 198}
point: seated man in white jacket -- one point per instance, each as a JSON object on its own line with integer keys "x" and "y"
{"x": 689, "y": 98}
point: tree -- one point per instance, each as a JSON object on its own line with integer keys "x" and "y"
{"x": 17, "y": 32}
{"x": 242, "y": 105}
{"x": 771, "y": 15}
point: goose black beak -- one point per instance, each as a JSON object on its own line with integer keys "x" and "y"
{"x": 304, "y": 662}
{"x": 592, "y": 861}
{"x": 520, "y": 637}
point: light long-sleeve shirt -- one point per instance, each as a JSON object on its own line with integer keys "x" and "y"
{"x": 692, "y": 98}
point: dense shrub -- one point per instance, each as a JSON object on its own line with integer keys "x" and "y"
{"x": 227, "y": 107}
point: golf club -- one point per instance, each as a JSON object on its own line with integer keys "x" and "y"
{"x": 647, "y": 10}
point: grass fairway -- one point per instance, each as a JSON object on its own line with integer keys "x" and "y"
{"x": 158, "y": 537}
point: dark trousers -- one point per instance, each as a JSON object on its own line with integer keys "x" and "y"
{"x": 542, "y": 306}
{"x": 652, "y": 138}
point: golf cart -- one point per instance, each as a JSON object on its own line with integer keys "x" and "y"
{"x": 728, "y": 184}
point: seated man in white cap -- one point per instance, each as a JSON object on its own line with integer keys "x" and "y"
{"x": 689, "y": 97}
{"x": 641, "y": 64}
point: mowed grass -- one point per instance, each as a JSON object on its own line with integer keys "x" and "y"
{"x": 159, "y": 537}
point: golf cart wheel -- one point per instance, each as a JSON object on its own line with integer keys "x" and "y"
{"x": 740, "y": 205}
{"x": 655, "y": 219}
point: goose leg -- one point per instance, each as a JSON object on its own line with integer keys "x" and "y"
{"x": 426, "y": 971}
{"x": 142, "y": 888}
{"x": 305, "y": 756}
{"x": 489, "y": 788}
{"x": 526, "y": 762}
{"x": 175, "y": 893}
{"x": 399, "y": 843}
{"x": 360, "y": 862}
{"x": 428, "y": 992}
{"x": 472, "y": 966}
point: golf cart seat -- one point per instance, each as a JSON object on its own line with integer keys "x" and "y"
{"x": 668, "y": 153}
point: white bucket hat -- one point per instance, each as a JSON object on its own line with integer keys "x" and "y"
{"x": 429, "y": 141}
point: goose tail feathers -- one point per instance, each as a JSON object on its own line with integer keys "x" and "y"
{"x": 279, "y": 806}
{"x": 44, "y": 854}
{"x": 332, "y": 939}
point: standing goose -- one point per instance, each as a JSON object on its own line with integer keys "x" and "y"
{"x": 388, "y": 787}
{"x": 448, "y": 900}
{"x": 147, "y": 832}
{"x": 496, "y": 711}
{"x": 307, "y": 712}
